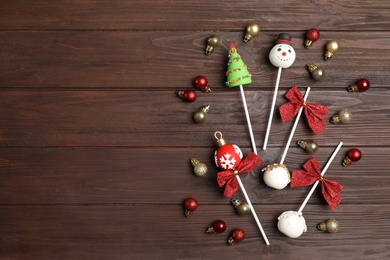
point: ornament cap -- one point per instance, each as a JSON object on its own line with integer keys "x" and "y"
{"x": 311, "y": 67}
{"x": 220, "y": 140}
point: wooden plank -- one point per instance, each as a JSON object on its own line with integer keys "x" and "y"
{"x": 171, "y": 60}
{"x": 161, "y": 231}
{"x": 195, "y": 15}
{"x": 159, "y": 118}
{"x": 165, "y": 176}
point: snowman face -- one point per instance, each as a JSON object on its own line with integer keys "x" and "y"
{"x": 282, "y": 55}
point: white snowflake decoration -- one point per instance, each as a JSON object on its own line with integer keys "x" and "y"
{"x": 226, "y": 161}
{"x": 238, "y": 151}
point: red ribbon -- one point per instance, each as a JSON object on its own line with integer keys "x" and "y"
{"x": 330, "y": 189}
{"x": 315, "y": 113}
{"x": 228, "y": 177}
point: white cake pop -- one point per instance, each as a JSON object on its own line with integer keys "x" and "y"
{"x": 292, "y": 224}
{"x": 276, "y": 176}
{"x": 282, "y": 55}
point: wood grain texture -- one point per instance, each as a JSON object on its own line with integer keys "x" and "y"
{"x": 95, "y": 147}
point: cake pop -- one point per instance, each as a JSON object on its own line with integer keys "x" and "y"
{"x": 282, "y": 55}
{"x": 292, "y": 223}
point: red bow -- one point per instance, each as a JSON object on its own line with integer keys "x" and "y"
{"x": 330, "y": 189}
{"x": 315, "y": 113}
{"x": 228, "y": 177}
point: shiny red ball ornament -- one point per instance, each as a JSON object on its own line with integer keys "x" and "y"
{"x": 218, "y": 226}
{"x": 237, "y": 235}
{"x": 353, "y": 155}
{"x": 188, "y": 95}
{"x": 201, "y": 83}
{"x": 190, "y": 206}
{"x": 360, "y": 85}
{"x": 312, "y": 35}
{"x": 227, "y": 156}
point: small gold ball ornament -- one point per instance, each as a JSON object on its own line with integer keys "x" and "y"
{"x": 201, "y": 115}
{"x": 331, "y": 48}
{"x": 316, "y": 72}
{"x": 200, "y": 169}
{"x": 252, "y": 30}
{"x": 343, "y": 116}
{"x": 242, "y": 208}
{"x": 309, "y": 146}
{"x": 212, "y": 42}
{"x": 331, "y": 226}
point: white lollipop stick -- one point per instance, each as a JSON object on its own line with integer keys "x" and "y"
{"x": 322, "y": 174}
{"x": 294, "y": 126}
{"x": 271, "y": 113}
{"x": 248, "y": 120}
{"x": 252, "y": 209}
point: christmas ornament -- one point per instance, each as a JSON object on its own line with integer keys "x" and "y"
{"x": 331, "y": 48}
{"x": 282, "y": 55}
{"x": 200, "y": 169}
{"x": 190, "y": 206}
{"x": 200, "y": 115}
{"x": 292, "y": 223}
{"x": 277, "y": 175}
{"x": 331, "y": 225}
{"x": 316, "y": 73}
{"x": 312, "y": 35}
{"x": 188, "y": 95}
{"x": 242, "y": 208}
{"x": 360, "y": 85}
{"x": 330, "y": 189}
{"x": 252, "y": 30}
{"x": 212, "y": 42}
{"x": 309, "y": 146}
{"x": 343, "y": 116}
{"x": 237, "y": 235}
{"x": 238, "y": 75}
{"x": 315, "y": 113}
{"x": 228, "y": 157}
{"x": 201, "y": 83}
{"x": 218, "y": 226}
{"x": 353, "y": 155}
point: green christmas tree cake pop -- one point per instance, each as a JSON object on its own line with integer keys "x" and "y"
{"x": 237, "y": 73}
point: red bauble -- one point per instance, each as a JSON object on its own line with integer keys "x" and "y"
{"x": 188, "y": 95}
{"x": 363, "y": 84}
{"x": 354, "y": 154}
{"x": 190, "y": 206}
{"x": 228, "y": 156}
{"x": 218, "y": 226}
{"x": 238, "y": 235}
{"x": 201, "y": 83}
{"x": 312, "y": 35}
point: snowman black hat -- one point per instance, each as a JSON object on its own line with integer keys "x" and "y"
{"x": 284, "y": 38}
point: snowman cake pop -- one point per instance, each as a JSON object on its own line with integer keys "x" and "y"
{"x": 282, "y": 56}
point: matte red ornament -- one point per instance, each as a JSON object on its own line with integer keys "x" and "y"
{"x": 202, "y": 83}
{"x": 360, "y": 85}
{"x": 218, "y": 226}
{"x": 190, "y": 206}
{"x": 312, "y": 35}
{"x": 353, "y": 155}
{"x": 227, "y": 156}
{"x": 188, "y": 95}
{"x": 237, "y": 235}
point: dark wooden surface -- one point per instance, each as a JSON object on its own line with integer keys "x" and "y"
{"x": 95, "y": 146}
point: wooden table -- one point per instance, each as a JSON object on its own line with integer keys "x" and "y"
{"x": 95, "y": 147}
